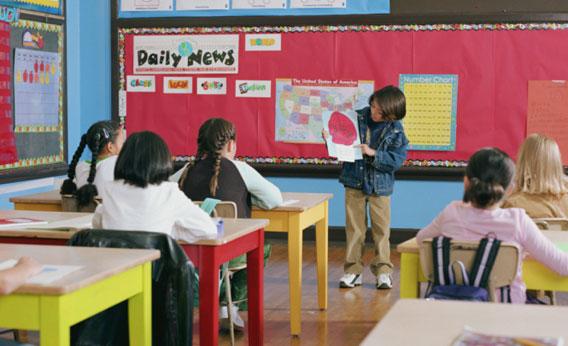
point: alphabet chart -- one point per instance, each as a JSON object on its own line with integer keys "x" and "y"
{"x": 431, "y": 103}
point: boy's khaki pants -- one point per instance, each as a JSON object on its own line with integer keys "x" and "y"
{"x": 356, "y": 227}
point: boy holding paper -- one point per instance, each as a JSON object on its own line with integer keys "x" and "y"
{"x": 369, "y": 181}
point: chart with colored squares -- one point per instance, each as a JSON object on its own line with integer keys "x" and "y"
{"x": 431, "y": 107}
{"x": 41, "y": 6}
{"x": 37, "y": 97}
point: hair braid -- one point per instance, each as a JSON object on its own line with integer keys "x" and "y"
{"x": 69, "y": 187}
{"x": 190, "y": 165}
{"x": 87, "y": 193}
{"x": 221, "y": 138}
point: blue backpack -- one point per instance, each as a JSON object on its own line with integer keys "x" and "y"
{"x": 474, "y": 287}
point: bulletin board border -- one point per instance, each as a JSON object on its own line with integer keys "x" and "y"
{"x": 444, "y": 170}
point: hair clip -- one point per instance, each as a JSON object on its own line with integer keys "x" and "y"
{"x": 105, "y": 133}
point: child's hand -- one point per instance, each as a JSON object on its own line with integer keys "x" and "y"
{"x": 366, "y": 150}
{"x": 324, "y": 134}
{"x": 30, "y": 265}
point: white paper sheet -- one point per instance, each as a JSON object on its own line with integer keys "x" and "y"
{"x": 182, "y": 5}
{"x": 146, "y": 5}
{"x": 258, "y": 4}
{"x": 49, "y": 272}
{"x": 289, "y": 202}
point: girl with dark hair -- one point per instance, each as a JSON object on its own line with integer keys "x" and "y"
{"x": 104, "y": 139}
{"x": 488, "y": 179}
{"x": 141, "y": 198}
{"x": 215, "y": 172}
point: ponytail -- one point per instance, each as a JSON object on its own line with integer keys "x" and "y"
{"x": 69, "y": 187}
{"x": 489, "y": 172}
{"x": 483, "y": 194}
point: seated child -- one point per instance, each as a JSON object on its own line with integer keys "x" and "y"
{"x": 488, "y": 178}
{"x": 541, "y": 188}
{"x": 104, "y": 139}
{"x": 215, "y": 172}
{"x": 141, "y": 198}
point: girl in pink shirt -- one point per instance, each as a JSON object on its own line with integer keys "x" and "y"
{"x": 488, "y": 178}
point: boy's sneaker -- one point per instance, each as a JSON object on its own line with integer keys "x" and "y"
{"x": 350, "y": 280}
{"x": 384, "y": 281}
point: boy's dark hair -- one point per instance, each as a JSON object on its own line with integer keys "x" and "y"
{"x": 392, "y": 102}
{"x": 97, "y": 137}
{"x": 213, "y": 135}
{"x": 490, "y": 172}
{"x": 144, "y": 159}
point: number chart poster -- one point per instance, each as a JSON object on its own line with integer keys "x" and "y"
{"x": 431, "y": 103}
{"x": 548, "y": 111}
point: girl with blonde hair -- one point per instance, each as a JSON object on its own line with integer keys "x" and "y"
{"x": 540, "y": 184}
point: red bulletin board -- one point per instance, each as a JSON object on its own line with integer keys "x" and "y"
{"x": 494, "y": 63}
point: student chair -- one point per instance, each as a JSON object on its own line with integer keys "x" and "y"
{"x": 227, "y": 210}
{"x": 503, "y": 272}
{"x": 552, "y": 224}
{"x": 70, "y": 203}
{"x": 172, "y": 292}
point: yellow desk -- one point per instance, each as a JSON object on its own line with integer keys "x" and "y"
{"x": 107, "y": 277}
{"x": 535, "y": 275}
{"x": 434, "y": 323}
{"x": 310, "y": 209}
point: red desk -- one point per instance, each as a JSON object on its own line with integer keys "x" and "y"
{"x": 241, "y": 236}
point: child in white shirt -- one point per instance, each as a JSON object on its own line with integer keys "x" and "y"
{"x": 104, "y": 139}
{"x": 142, "y": 198}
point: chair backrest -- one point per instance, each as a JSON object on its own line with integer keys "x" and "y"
{"x": 173, "y": 278}
{"x": 503, "y": 273}
{"x": 70, "y": 203}
{"x": 552, "y": 224}
{"x": 224, "y": 209}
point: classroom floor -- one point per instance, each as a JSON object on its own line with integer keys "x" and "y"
{"x": 351, "y": 314}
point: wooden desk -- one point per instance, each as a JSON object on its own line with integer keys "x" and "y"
{"x": 311, "y": 208}
{"x": 434, "y": 323}
{"x": 108, "y": 277}
{"x": 241, "y": 236}
{"x": 535, "y": 275}
{"x": 44, "y": 201}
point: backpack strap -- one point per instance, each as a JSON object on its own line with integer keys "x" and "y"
{"x": 484, "y": 260}
{"x": 441, "y": 259}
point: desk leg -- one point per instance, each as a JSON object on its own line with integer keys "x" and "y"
{"x": 322, "y": 258}
{"x": 295, "y": 274}
{"x": 409, "y": 263}
{"x": 208, "y": 296}
{"x": 255, "y": 270}
{"x": 52, "y": 329}
{"x": 140, "y": 311}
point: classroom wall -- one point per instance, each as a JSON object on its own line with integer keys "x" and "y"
{"x": 414, "y": 203}
{"x": 88, "y": 83}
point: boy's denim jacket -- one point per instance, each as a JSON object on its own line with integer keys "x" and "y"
{"x": 391, "y": 153}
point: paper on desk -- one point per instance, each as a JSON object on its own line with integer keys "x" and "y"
{"x": 49, "y": 272}
{"x": 289, "y": 202}
{"x": 77, "y": 223}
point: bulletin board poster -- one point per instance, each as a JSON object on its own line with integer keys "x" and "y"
{"x": 303, "y": 66}
{"x": 431, "y": 111}
{"x": 212, "y": 8}
{"x": 300, "y": 104}
{"x": 46, "y": 6}
{"x": 37, "y": 94}
{"x": 547, "y": 112}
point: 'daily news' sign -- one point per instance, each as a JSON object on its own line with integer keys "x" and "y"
{"x": 186, "y": 54}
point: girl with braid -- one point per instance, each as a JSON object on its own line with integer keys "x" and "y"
{"x": 216, "y": 174}
{"x": 104, "y": 139}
